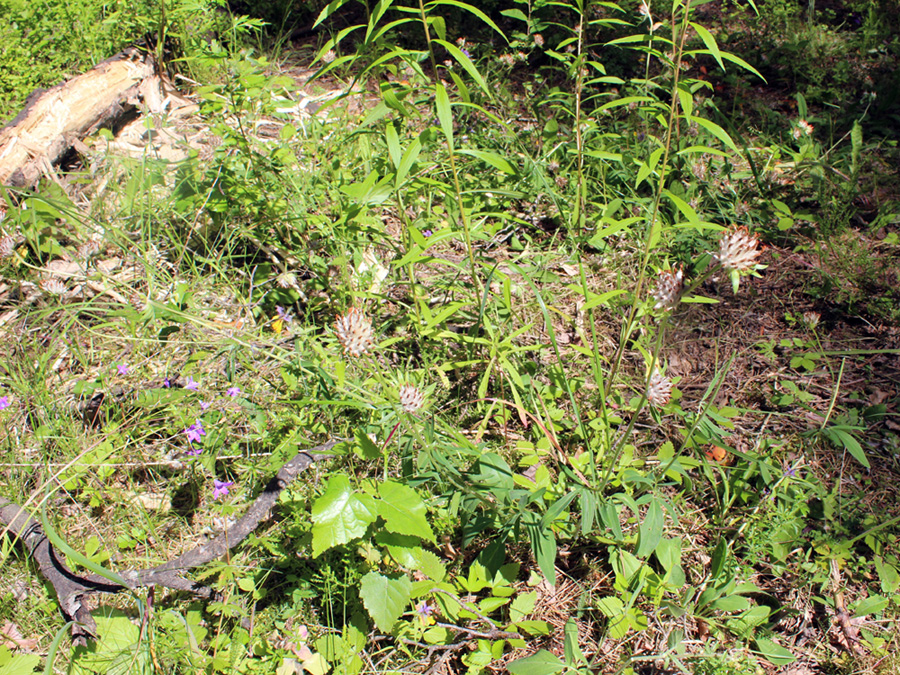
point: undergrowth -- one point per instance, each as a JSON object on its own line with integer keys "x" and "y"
{"x": 482, "y": 283}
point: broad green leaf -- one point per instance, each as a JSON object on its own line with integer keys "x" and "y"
{"x": 668, "y": 552}
{"x": 403, "y": 510}
{"x": 340, "y": 515}
{"x": 20, "y": 664}
{"x": 543, "y": 545}
{"x": 710, "y": 43}
{"x": 385, "y": 598}
{"x": 409, "y": 158}
{"x": 773, "y": 653}
{"x": 542, "y": 663}
{"x": 522, "y": 606}
{"x": 874, "y": 604}
{"x": 650, "y": 531}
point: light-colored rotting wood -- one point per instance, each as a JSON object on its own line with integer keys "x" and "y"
{"x": 56, "y": 119}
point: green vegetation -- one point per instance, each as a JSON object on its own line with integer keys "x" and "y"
{"x": 582, "y": 307}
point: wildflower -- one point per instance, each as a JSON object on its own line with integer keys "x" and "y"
{"x": 88, "y": 249}
{"x": 166, "y": 383}
{"x": 354, "y": 331}
{"x": 644, "y": 9}
{"x": 427, "y": 233}
{"x": 283, "y": 315}
{"x": 204, "y": 405}
{"x": 53, "y": 285}
{"x": 660, "y": 389}
{"x": 425, "y": 611}
{"x": 220, "y": 488}
{"x": 329, "y": 56}
{"x": 233, "y": 392}
{"x": 191, "y": 384}
{"x": 4, "y": 402}
{"x": 805, "y": 127}
{"x": 287, "y": 280}
{"x": 7, "y": 246}
{"x": 466, "y": 53}
{"x": 521, "y": 56}
{"x": 538, "y": 39}
{"x": 508, "y": 60}
{"x": 195, "y": 432}
{"x": 811, "y": 319}
{"x": 738, "y": 250}
{"x": 668, "y": 287}
{"x": 122, "y": 368}
{"x": 411, "y": 398}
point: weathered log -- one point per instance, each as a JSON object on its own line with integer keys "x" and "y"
{"x": 56, "y": 119}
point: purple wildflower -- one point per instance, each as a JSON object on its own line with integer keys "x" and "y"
{"x": 122, "y": 368}
{"x": 424, "y": 609}
{"x": 233, "y": 392}
{"x": 204, "y": 405}
{"x": 4, "y": 402}
{"x": 283, "y": 315}
{"x": 195, "y": 432}
{"x": 466, "y": 52}
{"x": 166, "y": 383}
{"x": 191, "y": 384}
{"x": 220, "y": 488}
{"x": 427, "y": 233}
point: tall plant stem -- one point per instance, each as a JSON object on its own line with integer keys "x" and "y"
{"x": 629, "y": 325}
{"x": 456, "y": 186}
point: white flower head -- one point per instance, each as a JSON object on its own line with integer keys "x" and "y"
{"x": 411, "y": 398}
{"x": 669, "y": 284}
{"x": 659, "y": 390}
{"x": 354, "y": 331}
{"x": 738, "y": 250}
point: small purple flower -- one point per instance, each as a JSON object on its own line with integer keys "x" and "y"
{"x": 283, "y": 315}
{"x": 195, "y": 432}
{"x": 122, "y": 368}
{"x": 220, "y": 488}
{"x": 233, "y": 392}
{"x": 194, "y": 451}
{"x": 427, "y": 233}
{"x": 166, "y": 383}
{"x": 424, "y": 609}
{"x": 204, "y": 405}
{"x": 191, "y": 384}
{"x": 790, "y": 473}
{"x": 4, "y": 402}
{"x": 466, "y": 52}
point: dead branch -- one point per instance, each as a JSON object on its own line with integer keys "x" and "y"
{"x": 72, "y": 589}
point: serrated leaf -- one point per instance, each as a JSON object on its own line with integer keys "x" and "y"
{"x": 522, "y": 606}
{"x": 542, "y": 663}
{"x": 340, "y": 515}
{"x": 385, "y": 598}
{"x": 403, "y": 510}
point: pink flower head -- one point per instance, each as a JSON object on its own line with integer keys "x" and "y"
{"x": 204, "y": 405}
{"x": 122, "y": 368}
{"x": 220, "y": 488}
{"x": 4, "y": 402}
{"x": 191, "y": 384}
{"x": 233, "y": 392}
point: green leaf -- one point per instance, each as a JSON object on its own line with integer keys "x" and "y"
{"x": 650, "y": 532}
{"x": 474, "y": 10}
{"x": 385, "y": 598}
{"x": 340, "y": 515}
{"x": 20, "y": 663}
{"x": 543, "y": 545}
{"x": 874, "y": 604}
{"x": 491, "y": 158}
{"x": 444, "y": 112}
{"x": 466, "y": 63}
{"x": 773, "y": 653}
{"x": 715, "y": 130}
{"x": 393, "y": 144}
{"x": 710, "y": 43}
{"x": 542, "y": 663}
{"x": 522, "y": 606}
{"x": 403, "y": 510}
